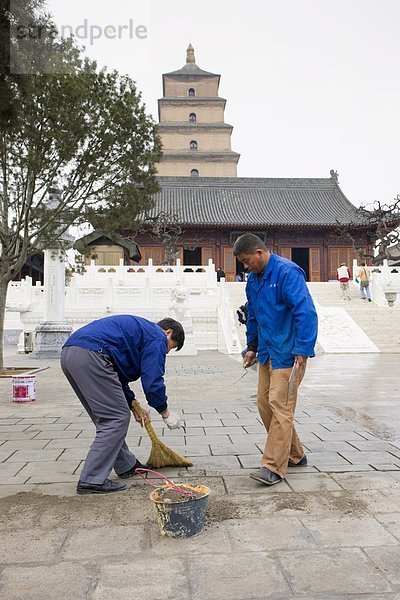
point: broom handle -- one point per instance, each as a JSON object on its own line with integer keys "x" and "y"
{"x": 137, "y": 408}
{"x": 171, "y": 483}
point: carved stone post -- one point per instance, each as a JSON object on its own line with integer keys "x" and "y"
{"x": 54, "y": 331}
{"x": 181, "y": 312}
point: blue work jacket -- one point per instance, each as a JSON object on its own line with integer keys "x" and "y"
{"x": 137, "y": 347}
{"x": 282, "y": 321}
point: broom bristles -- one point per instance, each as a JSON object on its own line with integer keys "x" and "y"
{"x": 160, "y": 455}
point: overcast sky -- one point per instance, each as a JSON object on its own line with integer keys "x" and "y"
{"x": 311, "y": 85}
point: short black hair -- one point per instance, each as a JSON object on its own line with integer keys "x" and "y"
{"x": 247, "y": 244}
{"x": 178, "y": 333}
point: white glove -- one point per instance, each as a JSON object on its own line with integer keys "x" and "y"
{"x": 172, "y": 421}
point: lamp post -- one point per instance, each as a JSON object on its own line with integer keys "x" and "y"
{"x": 52, "y": 333}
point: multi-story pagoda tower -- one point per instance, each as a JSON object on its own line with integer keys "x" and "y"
{"x": 196, "y": 140}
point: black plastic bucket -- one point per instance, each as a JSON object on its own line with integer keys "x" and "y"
{"x": 181, "y": 519}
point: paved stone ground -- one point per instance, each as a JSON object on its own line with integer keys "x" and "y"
{"x": 331, "y": 530}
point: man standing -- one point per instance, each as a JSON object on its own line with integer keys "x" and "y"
{"x": 282, "y": 331}
{"x": 220, "y": 274}
{"x": 99, "y": 360}
{"x": 343, "y": 275}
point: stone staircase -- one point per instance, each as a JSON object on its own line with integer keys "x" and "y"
{"x": 236, "y": 290}
{"x": 380, "y": 324}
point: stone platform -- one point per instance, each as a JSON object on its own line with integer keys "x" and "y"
{"x": 330, "y": 530}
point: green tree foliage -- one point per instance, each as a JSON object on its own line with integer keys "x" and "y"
{"x": 73, "y": 126}
{"x": 15, "y": 82}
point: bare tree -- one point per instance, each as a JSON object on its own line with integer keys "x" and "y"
{"x": 379, "y": 226}
{"x": 163, "y": 228}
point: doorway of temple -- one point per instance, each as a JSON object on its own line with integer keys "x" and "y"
{"x": 301, "y": 256}
{"x": 240, "y": 270}
{"x": 192, "y": 257}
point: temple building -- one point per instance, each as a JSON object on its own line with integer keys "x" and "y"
{"x": 297, "y": 219}
{"x": 202, "y": 196}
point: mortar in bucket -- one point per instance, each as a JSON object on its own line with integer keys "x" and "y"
{"x": 24, "y": 388}
{"x": 180, "y": 509}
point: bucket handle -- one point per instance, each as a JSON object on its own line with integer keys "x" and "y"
{"x": 171, "y": 483}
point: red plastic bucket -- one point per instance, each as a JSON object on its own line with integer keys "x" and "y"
{"x": 24, "y": 388}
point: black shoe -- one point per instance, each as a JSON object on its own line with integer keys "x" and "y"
{"x": 302, "y": 463}
{"x": 266, "y": 476}
{"x": 131, "y": 472}
{"x": 100, "y": 488}
{"x": 369, "y": 300}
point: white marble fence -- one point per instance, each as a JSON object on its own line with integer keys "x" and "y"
{"x": 190, "y": 294}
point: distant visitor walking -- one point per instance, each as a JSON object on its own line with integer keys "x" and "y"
{"x": 364, "y": 276}
{"x": 220, "y": 274}
{"x": 343, "y": 275}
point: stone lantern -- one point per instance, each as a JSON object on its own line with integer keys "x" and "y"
{"x": 391, "y": 297}
{"x": 390, "y": 286}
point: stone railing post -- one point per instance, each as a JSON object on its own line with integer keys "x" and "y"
{"x": 54, "y": 331}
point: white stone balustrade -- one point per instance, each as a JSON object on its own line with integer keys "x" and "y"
{"x": 147, "y": 291}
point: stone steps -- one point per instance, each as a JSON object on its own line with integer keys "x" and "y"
{"x": 380, "y": 324}
{"x": 236, "y": 291}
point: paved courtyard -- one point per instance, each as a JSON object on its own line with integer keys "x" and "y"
{"x": 330, "y": 530}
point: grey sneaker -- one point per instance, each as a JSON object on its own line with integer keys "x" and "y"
{"x": 302, "y": 463}
{"x": 266, "y": 476}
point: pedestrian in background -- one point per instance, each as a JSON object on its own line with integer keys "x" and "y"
{"x": 220, "y": 274}
{"x": 281, "y": 332}
{"x": 364, "y": 276}
{"x": 343, "y": 275}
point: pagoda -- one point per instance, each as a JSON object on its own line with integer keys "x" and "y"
{"x": 195, "y": 138}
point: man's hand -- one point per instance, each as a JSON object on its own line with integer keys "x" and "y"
{"x": 249, "y": 359}
{"x": 300, "y": 360}
{"x": 171, "y": 420}
{"x": 145, "y": 416}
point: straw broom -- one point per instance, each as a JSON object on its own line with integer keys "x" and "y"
{"x": 160, "y": 455}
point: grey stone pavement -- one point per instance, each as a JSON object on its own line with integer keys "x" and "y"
{"x": 330, "y": 530}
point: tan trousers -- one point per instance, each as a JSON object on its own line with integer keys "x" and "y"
{"x": 277, "y": 415}
{"x": 345, "y": 287}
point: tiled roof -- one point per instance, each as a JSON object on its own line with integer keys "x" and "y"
{"x": 100, "y": 238}
{"x": 199, "y": 155}
{"x": 193, "y": 70}
{"x": 250, "y": 202}
{"x": 193, "y": 126}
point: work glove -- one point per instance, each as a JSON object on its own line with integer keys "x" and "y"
{"x": 172, "y": 421}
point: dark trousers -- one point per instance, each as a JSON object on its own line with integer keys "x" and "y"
{"x": 95, "y": 382}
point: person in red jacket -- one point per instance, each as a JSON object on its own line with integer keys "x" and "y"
{"x": 343, "y": 275}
